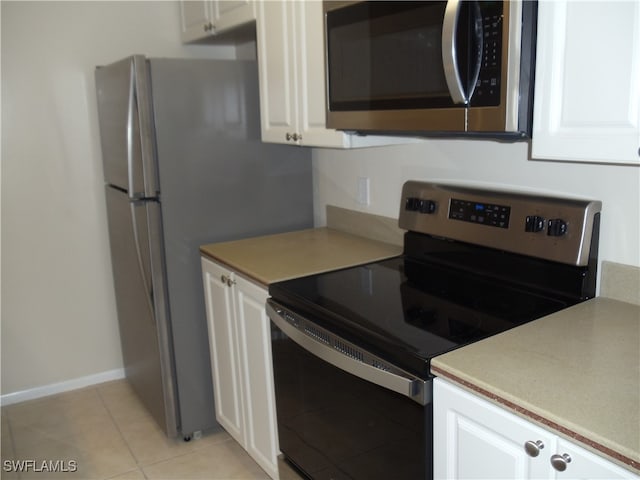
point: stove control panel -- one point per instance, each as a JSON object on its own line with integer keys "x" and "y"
{"x": 479, "y": 212}
{"x": 544, "y": 226}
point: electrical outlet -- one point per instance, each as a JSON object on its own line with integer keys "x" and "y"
{"x": 363, "y": 195}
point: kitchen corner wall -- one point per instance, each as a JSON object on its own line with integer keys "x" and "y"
{"x": 486, "y": 163}
{"x": 58, "y": 310}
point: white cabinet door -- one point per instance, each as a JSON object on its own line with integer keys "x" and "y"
{"x": 587, "y": 91}
{"x": 196, "y": 20}
{"x": 292, "y": 80}
{"x": 260, "y": 412}
{"x": 223, "y": 343}
{"x": 474, "y": 439}
{"x": 291, "y": 65}
{"x": 585, "y": 465}
{"x": 277, "y": 70}
{"x": 202, "y": 19}
{"x": 240, "y": 344}
{"x": 310, "y": 62}
{"x": 230, "y": 14}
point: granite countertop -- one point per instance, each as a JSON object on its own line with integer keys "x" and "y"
{"x": 283, "y": 256}
{"x": 577, "y": 372}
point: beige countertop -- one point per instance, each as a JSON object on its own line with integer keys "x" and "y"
{"x": 273, "y": 258}
{"x": 577, "y": 372}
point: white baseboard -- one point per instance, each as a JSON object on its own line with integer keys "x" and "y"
{"x": 60, "y": 387}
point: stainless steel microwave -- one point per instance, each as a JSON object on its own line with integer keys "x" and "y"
{"x": 460, "y": 67}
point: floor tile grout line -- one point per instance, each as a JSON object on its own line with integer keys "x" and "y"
{"x": 142, "y": 465}
{"x": 122, "y": 436}
{"x": 103, "y": 398}
{"x": 67, "y": 441}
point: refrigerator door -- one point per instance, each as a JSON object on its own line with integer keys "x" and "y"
{"x": 134, "y": 233}
{"x": 219, "y": 182}
{"x": 126, "y": 128}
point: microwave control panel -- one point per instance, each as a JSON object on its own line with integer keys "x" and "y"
{"x": 487, "y": 89}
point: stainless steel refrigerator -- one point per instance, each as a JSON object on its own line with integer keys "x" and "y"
{"x": 184, "y": 166}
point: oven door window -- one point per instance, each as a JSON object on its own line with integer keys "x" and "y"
{"x": 334, "y": 425}
{"x": 386, "y": 56}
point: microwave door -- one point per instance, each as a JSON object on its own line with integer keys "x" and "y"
{"x": 384, "y": 65}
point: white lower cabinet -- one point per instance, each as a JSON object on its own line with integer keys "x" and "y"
{"x": 240, "y": 343}
{"x": 475, "y": 439}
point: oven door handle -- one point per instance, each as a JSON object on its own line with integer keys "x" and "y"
{"x": 408, "y": 385}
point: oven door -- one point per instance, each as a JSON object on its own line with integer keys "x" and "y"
{"x": 339, "y": 417}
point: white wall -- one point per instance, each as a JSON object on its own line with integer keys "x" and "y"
{"x": 486, "y": 162}
{"x": 58, "y": 310}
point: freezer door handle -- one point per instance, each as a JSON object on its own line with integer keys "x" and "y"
{"x": 131, "y": 132}
{"x": 148, "y": 288}
{"x": 145, "y": 133}
{"x": 141, "y": 167}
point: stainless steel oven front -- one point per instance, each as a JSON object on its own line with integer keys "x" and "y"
{"x": 343, "y": 412}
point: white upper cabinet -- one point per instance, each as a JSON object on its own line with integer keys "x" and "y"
{"x": 291, "y": 65}
{"x": 290, "y": 42}
{"x": 587, "y": 91}
{"x": 202, "y": 19}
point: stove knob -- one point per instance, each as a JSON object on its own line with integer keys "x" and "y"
{"x": 534, "y": 223}
{"x": 426, "y": 206}
{"x": 412, "y": 204}
{"x": 556, "y": 227}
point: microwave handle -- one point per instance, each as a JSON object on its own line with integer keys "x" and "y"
{"x": 449, "y": 50}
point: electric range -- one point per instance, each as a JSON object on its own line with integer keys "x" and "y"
{"x": 352, "y": 348}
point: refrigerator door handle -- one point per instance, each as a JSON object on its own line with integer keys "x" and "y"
{"x": 147, "y": 286}
{"x": 131, "y": 130}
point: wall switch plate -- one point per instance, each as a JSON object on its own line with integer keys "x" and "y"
{"x": 363, "y": 193}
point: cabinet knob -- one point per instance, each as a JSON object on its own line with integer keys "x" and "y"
{"x": 227, "y": 280}
{"x": 292, "y": 136}
{"x": 533, "y": 448}
{"x": 559, "y": 462}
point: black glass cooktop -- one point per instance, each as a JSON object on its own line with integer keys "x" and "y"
{"x": 410, "y": 311}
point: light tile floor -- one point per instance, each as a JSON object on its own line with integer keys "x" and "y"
{"x": 106, "y": 431}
